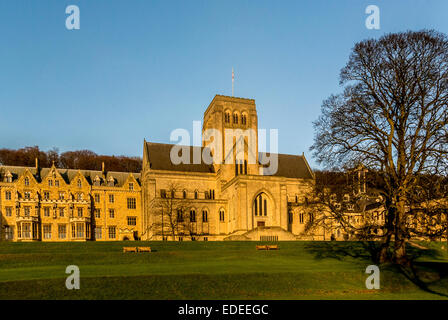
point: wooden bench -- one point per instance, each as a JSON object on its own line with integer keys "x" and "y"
{"x": 268, "y": 247}
{"x": 129, "y": 249}
{"x": 144, "y": 249}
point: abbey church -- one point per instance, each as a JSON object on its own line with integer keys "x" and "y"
{"x": 237, "y": 199}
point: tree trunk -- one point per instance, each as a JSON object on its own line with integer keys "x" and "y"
{"x": 400, "y": 252}
{"x": 400, "y": 255}
{"x": 383, "y": 254}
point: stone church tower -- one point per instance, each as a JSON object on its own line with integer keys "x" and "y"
{"x": 236, "y": 121}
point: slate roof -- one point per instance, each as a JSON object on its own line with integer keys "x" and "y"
{"x": 159, "y": 158}
{"x": 289, "y": 166}
{"x": 69, "y": 174}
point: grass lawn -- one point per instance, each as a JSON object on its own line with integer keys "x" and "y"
{"x": 212, "y": 270}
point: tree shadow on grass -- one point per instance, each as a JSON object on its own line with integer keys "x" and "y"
{"x": 425, "y": 270}
{"x": 342, "y": 250}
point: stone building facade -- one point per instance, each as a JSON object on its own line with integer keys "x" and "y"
{"x": 234, "y": 199}
{"x": 51, "y": 204}
{"x": 239, "y": 197}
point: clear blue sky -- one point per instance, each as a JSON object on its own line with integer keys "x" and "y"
{"x": 139, "y": 69}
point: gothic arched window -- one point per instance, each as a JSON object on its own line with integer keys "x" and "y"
{"x": 261, "y": 205}
{"x": 180, "y": 217}
{"x": 192, "y": 215}
{"x": 227, "y": 117}
{"x": 235, "y": 118}
{"x": 310, "y": 217}
{"x": 290, "y": 217}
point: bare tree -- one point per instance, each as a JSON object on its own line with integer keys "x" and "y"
{"x": 342, "y": 204}
{"x": 170, "y": 213}
{"x": 82, "y": 159}
{"x": 53, "y": 156}
{"x": 392, "y": 117}
{"x": 189, "y": 226}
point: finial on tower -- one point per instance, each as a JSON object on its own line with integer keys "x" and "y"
{"x": 233, "y": 82}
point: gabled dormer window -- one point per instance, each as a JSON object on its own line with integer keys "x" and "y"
{"x": 8, "y": 177}
{"x": 111, "y": 181}
{"x": 97, "y": 181}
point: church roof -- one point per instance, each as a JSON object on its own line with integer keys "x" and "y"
{"x": 289, "y": 166}
{"x": 159, "y": 158}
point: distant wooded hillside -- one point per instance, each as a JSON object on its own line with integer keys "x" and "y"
{"x": 80, "y": 159}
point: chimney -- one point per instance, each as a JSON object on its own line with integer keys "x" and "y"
{"x": 103, "y": 170}
{"x": 36, "y": 165}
